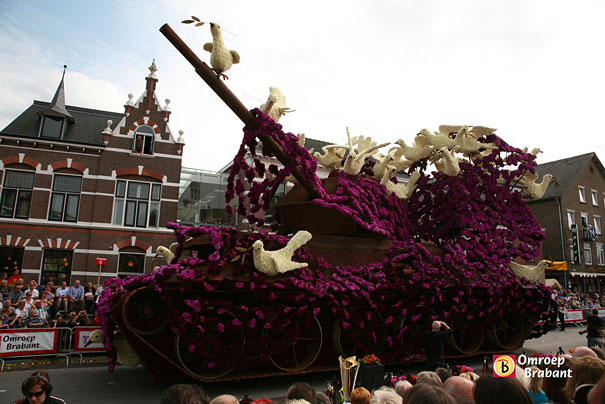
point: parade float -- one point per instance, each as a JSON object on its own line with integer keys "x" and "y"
{"x": 358, "y": 262}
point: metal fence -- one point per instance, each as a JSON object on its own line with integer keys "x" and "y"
{"x": 64, "y": 342}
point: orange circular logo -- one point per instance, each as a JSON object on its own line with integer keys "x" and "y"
{"x": 504, "y": 366}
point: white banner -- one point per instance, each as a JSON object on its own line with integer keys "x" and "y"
{"x": 574, "y": 316}
{"x": 82, "y": 335}
{"x": 28, "y": 342}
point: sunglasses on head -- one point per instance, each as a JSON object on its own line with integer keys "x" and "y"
{"x": 36, "y": 394}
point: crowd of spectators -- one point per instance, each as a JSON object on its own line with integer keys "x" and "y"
{"x": 575, "y": 300}
{"x": 30, "y": 305}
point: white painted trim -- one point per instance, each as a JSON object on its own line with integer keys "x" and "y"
{"x": 96, "y": 252}
{"x": 168, "y": 156}
{"x": 32, "y": 248}
{"x": 30, "y": 271}
{"x": 96, "y": 194}
{"x": 94, "y": 273}
{"x": 92, "y": 225}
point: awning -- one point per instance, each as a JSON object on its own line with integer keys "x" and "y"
{"x": 557, "y": 265}
{"x": 587, "y": 274}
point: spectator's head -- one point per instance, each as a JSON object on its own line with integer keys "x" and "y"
{"x": 73, "y": 316}
{"x": 31, "y": 312}
{"x": 38, "y": 303}
{"x": 472, "y": 376}
{"x": 77, "y": 283}
{"x": 360, "y": 395}
{"x": 500, "y": 390}
{"x": 402, "y": 386}
{"x": 429, "y": 377}
{"x": 436, "y": 326}
{"x": 427, "y": 394}
{"x": 18, "y": 287}
{"x": 595, "y": 312}
{"x": 582, "y": 351}
{"x": 600, "y": 353}
{"x": 36, "y": 388}
{"x": 584, "y": 370}
{"x": 460, "y": 388}
{"x": 4, "y": 282}
{"x": 520, "y": 375}
{"x": 386, "y": 397}
{"x": 59, "y": 318}
{"x": 21, "y": 282}
{"x": 302, "y": 391}
{"x": 554, "y": 387}
{"x": 225, "y": 399}
{"x": 443, "y": 374}
{"x": 597, "y": 395}
{"x": 21, "y": 304}
{"x": 89, "y": 285}
{"x": 322, "y": 398}
{"x": 184, "y": 394}
{"x": 63, "y": 284}
{"x": 535, "y": 381}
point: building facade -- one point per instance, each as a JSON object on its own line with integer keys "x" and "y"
{"x": 577, "y": 198}
{"x": 86, "y": 194}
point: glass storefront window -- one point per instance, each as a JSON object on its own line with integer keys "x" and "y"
{"x": 131, "y": 264}
{"x": 56, "y": 266}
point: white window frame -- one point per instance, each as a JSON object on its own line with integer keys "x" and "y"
{"x": 595, "y": 197}
{"x": 600, "y": 254}
{"x": 121, "y": 203}
{"x": 582, "y": 194}
{"x": 67, "y": 196}
{"x": 584, "y": 215}
{"x": 587, "y": 258}
{"x": 571, "y": 218}
{"x": 126, "y": 273}
{"x": 597, "y": 224}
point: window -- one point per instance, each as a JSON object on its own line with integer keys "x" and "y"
{"x": 595, "y": 197}
{"x": 131, "y": 264}
{"x": 582, "y": 194}
{"x": 65, "y": 199}
{"x": 11, "y": 258}
{"x": 143, "y": 140}
{"x": 584, "y": 217}
{"x": 52, "y": 127}
{"x": 587, "y": 254}
{"x": 137, "y": 204}
{"x": 56, "y": 266}
{"x": 16, "y": 194}
{"x": 571, "y": 218}
{"x": 600, "y": 255}
{"x": 597, "y": 224}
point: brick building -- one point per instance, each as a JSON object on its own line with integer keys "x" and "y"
{"x": 578, "y": 199}
{"x": 78, "y": 183}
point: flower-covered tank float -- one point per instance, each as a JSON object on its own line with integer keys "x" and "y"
{"x": 360, "y": 263}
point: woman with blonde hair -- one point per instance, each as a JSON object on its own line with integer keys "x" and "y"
{"x": 386, "y": 397}
{"x": 536, "y": 393}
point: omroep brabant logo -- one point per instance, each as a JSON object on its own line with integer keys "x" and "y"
{"x": 504, "y": 365}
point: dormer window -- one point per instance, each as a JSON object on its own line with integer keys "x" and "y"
{"x": 52, "y": 127}
{"x": 143, "y": 140}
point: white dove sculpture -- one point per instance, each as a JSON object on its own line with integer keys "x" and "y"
{"x": 332, "y": 157}
{"x": 275, "y": 106}
{"x": 166, "y": 253}
{"x": 437, "y": 140}
{"x": 381, "y": 165}
{"x": 447, "y": 163}
{"x": 467, "y": 143}
{"x": 126, "y": 355}
{"x": 280, "y": 261}
{"x": 401, "y": 190}
{"x": 221, "y": 58}
{"x": 531, "y": 273}
{"x": 533, "y": 189}
{"x": 413, "y": 153}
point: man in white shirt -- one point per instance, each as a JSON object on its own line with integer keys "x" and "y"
{"x": 32, "y": 288}
{"x": 62, "y": 297}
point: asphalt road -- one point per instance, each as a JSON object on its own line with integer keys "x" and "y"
{"x": 94, "y": 384}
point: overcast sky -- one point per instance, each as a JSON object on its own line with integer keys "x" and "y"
{"x": 534, "y": 69}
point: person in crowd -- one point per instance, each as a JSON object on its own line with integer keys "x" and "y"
{"x": 424, "y": 393}
{"x": 443, "y": 374}
{"x": 302, "y": 391}
{"x": 360, "y": 395}
{"x": 460, "y": 388}
{"x": 16, "y": 295}
{"x": 1, "y": 302}
{"x": 4, "y": 289}
{"x": 582, "y": 351}
{"x": 14, "y": 278}
{"x": 41, "y": 311}
{"x": 386, "y": 397}
{"x": 597, "y": 395}
{"x": 33, "y": 320}
{"x": 4, "y": 318}
{"x": 47, "y": 296}
{"x": 78, "y": 319}
{"x": 402, "y": 386}
{"x": 500, "y": 390}
{"x": 536, "y": 393}
{"x": 184, "y": 394}
{"x": 32, "y": 288}
{"x": 433, "y": 344}
{"x": 561, "y": 310}
{"x": 584, "y": 370}
{"x": 322, "y": 398}
{"x": 37, "y": 389}
{"x": 14, "y": 320}
{"x": 472, "y": 376}
{"x": 595, "y": 329}
{"x": 59, "y": 322}
{"x": 554, "y": 387}
{"x": 62, "y": 297}
{"x": 600, "y": 353}
{"x": 225, "y": 399}
{"x": 89, "y": 298}
{"x": 76, "y": 296}
{"x": 28, "y": 299}
{"x": 429, "y": 377}
{"x": 21, "y": 310}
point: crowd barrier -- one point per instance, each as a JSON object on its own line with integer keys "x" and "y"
{"x": 577, "y": 316}
{"x": 18, "y": 343}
